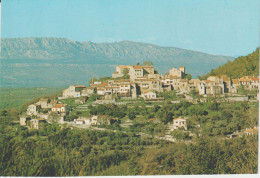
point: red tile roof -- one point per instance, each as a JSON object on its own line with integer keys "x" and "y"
{"x": 123, "y": 67}
{"x": 255, "y": 79}
{"x": 138, "y": 67}
{"x": 252, "y": 130}
{"x": 147, "y": 66}
{"x": 79, "y": 86}
{"x": 244, "y": 80}
{"x": 59, "y": 105}
{"x": 208, "y": 81}
{"x": 148, "y": 91}
{"x": 172, "y": 77}
{"x": 235, "y": 81}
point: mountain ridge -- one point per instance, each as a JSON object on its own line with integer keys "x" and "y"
{"x": 53, "y": 51}
{"x": 80, "y": 45}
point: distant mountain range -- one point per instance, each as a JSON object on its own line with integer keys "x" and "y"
{"x": 60, "y": 62}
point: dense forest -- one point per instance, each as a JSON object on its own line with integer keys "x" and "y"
{"x": 241, "y": 66}
{"x": 59, "y": 150}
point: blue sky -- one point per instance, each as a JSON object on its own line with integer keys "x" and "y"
{"x": 225, "y": 27}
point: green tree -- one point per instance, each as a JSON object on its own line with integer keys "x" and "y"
{"x": 131, "y": 115}
{"x": 179, "y": 134}
{"x": 147, "y": 63}
{"x": 126, "y": 74}
{"x": 188, "y": 76}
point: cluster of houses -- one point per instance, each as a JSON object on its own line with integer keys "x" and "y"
{"x": 44, "y": 111}
{"x": 95, "y": 120}
{"x": 131, "y": 82}
{"x": 145, "y": 82}
{"x": 47, "y": 111}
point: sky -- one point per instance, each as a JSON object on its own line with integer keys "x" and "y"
{"x": 223, "y": 27}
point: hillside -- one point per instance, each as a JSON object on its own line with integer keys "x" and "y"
{"x": 59, "y": 61}
{"x": 241, "y": 66}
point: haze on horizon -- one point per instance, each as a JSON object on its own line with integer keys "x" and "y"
{"x": 221, "y": 27}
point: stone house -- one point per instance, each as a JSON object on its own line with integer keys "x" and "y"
{"x": 183, "y": 86}
{"x": 60, "y": 108}
{"x": 43, "y": 116}
{"x": 195, "y": 83}
{"x": 124, "y": 87}
{"x": 250, "y": 82}
{"x": 217, "y": 83}
{"x": 149, "y": 84}
{"x": 94, "y": 120}
{"x": 177, "y": 72}
{"x": 120, "y": 71}
{"x": 37, "y": 123}
{"x": 191, "y": 86}
{"x": 79, "y": 121}
{"x": 246, "y": 82}
{"x": 208, "y": 87}
{"x": 43, "y": 102}
{"x": 253, "y": 131}
{"x": 46, "y": 103}
{"x": 255, "y": 83}
{"x": 179, "y": 122}
{"x": 83, "y": 120}
{"x": 24, "y": 120}
{"x": 215, "y": 79}
{"x": 119, "y": 87}
{"x": 154, "y": 76}
{"x": 135, "y": 72}
{"x": 33, "y": 109}
{"x": 108, "y": 90}
{"x": 148, "y": 94}
{"x": 227, "y": 83}
{"x": 88, "y": 91}
{"x": 174, "y": 81}
{"x": 101, "y": 91}
{"x": 148, "y": 70}
{"x": 235, "y": 84}
{"x": 73, "y": 91}
{"x": 100, "y": 88}
{"x": 167, "y": 88}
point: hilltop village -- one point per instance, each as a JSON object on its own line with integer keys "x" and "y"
{"x": 132, "y": 84}
{"x": 145, "y": 82}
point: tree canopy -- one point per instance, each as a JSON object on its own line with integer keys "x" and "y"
{"x": 241, "y": 66}
{"x": 147, "y": 63}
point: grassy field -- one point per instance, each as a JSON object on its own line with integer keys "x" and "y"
{"x": 14, "y": 97}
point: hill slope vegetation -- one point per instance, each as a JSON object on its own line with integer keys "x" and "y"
{"x": 241, "y": 66}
